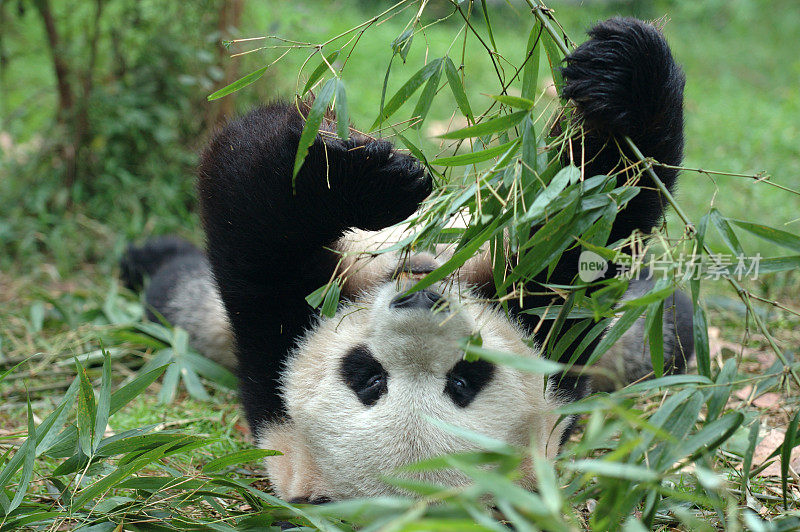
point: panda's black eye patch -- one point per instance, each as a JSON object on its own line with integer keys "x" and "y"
{"x": 364, "y": 375}
{"x": 466, "y": 379}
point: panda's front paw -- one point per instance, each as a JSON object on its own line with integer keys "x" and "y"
{"x": 390, "y": 187}
{"x": 622, "y": 77}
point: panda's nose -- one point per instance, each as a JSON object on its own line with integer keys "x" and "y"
{"x": 422, "y": 300}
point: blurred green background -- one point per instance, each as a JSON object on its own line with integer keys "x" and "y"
{"x": 105, "y": 152}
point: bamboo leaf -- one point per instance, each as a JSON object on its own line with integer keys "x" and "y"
{"x": 103, "y": 402}
{"x": 667, "y": 382}
{"x": 87, "y": 411}
{"x": 445, "y": 461}
{"x": 711, "y": 436}
{"x": 48, "y": 431}
{"x": 747, "y": 459}
{"x": 664, "y": 417}
{"x": 538, "y": 365}
{"x": 426, "y": 98}
{"x": 319, "y": 71}
{"x": 457, "y": 88}
{"x": 598, "y": 234}
{"x": 169, "y": 384}
{"x": 547, "y": 483}
{"x": 655, "y": 295}
{"x": 514, "y": 101}
{"x": 530, "y": 73}
{"x": 407, "y": 90}
{"x": 402, "y": 44}
{"x": 779, "y": 264}
{"x": 35, "y": 517}
{"x": 331, "y": 302}
{"x": 342, "y": 111}
{"x": 501, "y": 123}
{"x": 654, "y": 325}
{"x": 725, "y": 231}
{"x": 413, "y": 148}
{"x": 211, "y": 370}
{"x": 770, "y": 234}
{"x": 555, "y": 58}
{"x": 483, "y": 442}
{"x": 488, "y": 24}
{"x": 547, "y": 244}
{"x": 238, "y": 84}
{"x": 789, "y": 443}
{"x": 458, "y": 258}
{"x": 134, "y": 441}
{"x": 11, "y": 370}
{"x": 722, "y": 392}
{"x": 238, "y": 457}
{"x": 313, "y": 121}
{"x": 476, "y": 156}
{"x": 193, "y": 384}
{"x": 529, "y": 181}
{"x": 607, "y": 468}
{"x": 700, "y": 335}
{"x": 617, "y": 330}
{"x": 125, "y": 394}
{"x": 28, "y": 451}
{"x": 316, "y": 297}
{"x": 564, "y": 177}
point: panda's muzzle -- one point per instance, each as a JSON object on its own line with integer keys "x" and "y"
{"x": 419, "y": 300}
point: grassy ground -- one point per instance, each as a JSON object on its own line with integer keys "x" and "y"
{"x": 59, "y": 299}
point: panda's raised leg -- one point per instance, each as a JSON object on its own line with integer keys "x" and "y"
{"x": 623, "y": 82}
{"x": 270, "y": 245}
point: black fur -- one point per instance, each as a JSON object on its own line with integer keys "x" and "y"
{"x": 363, "y": 374}
{"x": 143, "y": 261}
{"x": 466, "y": 379}
{"x": 165, "y": 260}
{"x": 623, "y": 82}
{"x": 269, "y": 246}
{"x": 161, "y": 290}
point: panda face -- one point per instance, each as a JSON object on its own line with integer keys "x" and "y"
{"x": 361, "y": 387}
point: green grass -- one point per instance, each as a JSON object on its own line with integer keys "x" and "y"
{"x": 59, "y": 300}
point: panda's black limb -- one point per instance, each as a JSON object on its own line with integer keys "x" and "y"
{"x": 269, "y": 242}
{"x": 139, "y": 262}
{"x": 623, "y": 82}
{"x": 182, "y": 292}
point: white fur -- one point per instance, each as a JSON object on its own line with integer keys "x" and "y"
{"x": 196, "y": 306}
{"x": 345, "y": 446}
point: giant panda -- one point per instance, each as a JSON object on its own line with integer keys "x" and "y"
{"x": 347, "y": 399}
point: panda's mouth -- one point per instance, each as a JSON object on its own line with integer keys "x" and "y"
{"x": 412, "y": 276}
{"x": 415, "y": 267}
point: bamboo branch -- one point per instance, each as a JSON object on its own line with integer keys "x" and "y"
{"x": 542, "y": 13}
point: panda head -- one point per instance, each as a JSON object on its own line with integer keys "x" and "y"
{"x": 362, "y": 386}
